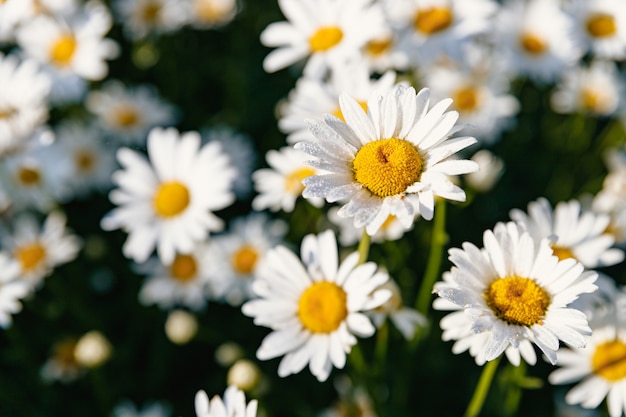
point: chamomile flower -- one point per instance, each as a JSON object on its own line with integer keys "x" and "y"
{"x": 383, "y": 53}
{"x": 515, "y": 292}
{"x": 23, "y": 101}
{"x": 167, "y": 201}
{"x": 391, "y": 229}
{"x": 392, "y": 160}
{"x": 40, "y": 248}
{"x": 595, "y": 89}
{"x": 322, "y": 32}
{"x": 238, "y": 254}
{"x": 143, "y": 18}
{"x": 491, "y": 170}
{"x": 280, "y": 185}
{"x": 314, "y": 305}
{"x": 207, "y": 14}
{"x": 127, "y": 113}
{"x": 232, "y": 405}
{"x": 12, "y": 289}
{"x": 574, "y": 232}
{"x": 602, "y": 26}
{"x": 183, "y": 283}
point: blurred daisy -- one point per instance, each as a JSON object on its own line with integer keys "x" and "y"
{"x": 573, "y": 232}
{"x": 322, "y": 32}
{"x": 280, "y": 185}
{"x": 143, "y": 18}
{"x": 61, "y": 364}
{"x": 353, "y": 400}
{"x": 40, "y": 248}
{"x": 127, "y": 114}
{"x": 595, "y": 89}
{"x": 207, "y": 14}
{"x": 15, "y": 12}
{"x": 392, "y": 160}
{"x": 514, "y": 290}
{"x": 536, "y": 39}
{"x": 602, "y": 26}
{"x": 611, "y": 199}
{"x": 491, "y": 169}
{"x": 312, "y": 98}
{"x": 183, "y": 283}
{"x": 126, "y": 408}
{"x": 23, "y": 101}
{"x": 12, "y": 289}
{"x": 236, "y": 256}
{"x": 391, "y": 229}
{"x": 314, "y": 305}
{"x": 165, "y": 201}
{"x": 383, "y": 53}
{"x": 233, "y": 404}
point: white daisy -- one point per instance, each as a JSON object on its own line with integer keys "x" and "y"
{"x": 233, "y": 404}
{"x": 391, "y": 229}
{"x": 491, "y": 170}
{"x": 127, "y": 113}
{"x": 594, "y": 89}
{"x": 602, "y": 26}
{"x": 166, "y": 201}
{"x": 12, "y": 289}
{"x": 40, "y": 248}
{"x": 23, "y": 101}
{"x": 61, "y": 364}
{"x": 280, "y": 185}
{"x": 314, "y": 305}
{"x": 324, "y": 32}
{"x": 237, "y": 255}
{"x": 183, "y": 283}
{"x": 536, "y": 39}
{"x": 143, "y": 18}
{"x": 383, "y": 53}
{"x": 515, "y": 292}
{"x": 392, "y": 160}
{"x": 574, "y": 232}
{"x": 207, "y": 14}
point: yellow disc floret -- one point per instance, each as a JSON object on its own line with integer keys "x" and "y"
{"x": 533, "y": 44}
{"x": 28, "y": 176}
{"x": 293, "y": 181}
{"x": 339, "y": 113}
{"x": 517, "y": 300}
{"x": 433, "y": 20}
{"x": 171, "y": 199}
{"x": 184, "y": 268}
{"x": 325, "y": 38}
{"x": 466, "y": 99}
{"x": 322, "y": 307}
{"x": 609, "y": 360}
{"x": 601, "y": 25}
{"x": 244, "y": 259}
{"x": 562, "y": 252}
{"x": 62, "y": 50}
{"x": 30, "y": 256}
{"x": 386, "y": 167}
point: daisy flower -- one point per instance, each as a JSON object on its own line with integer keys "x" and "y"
{"x": 165, "y": 200}
{"x": 383, "y": 53}
{"x": 142, "y": 18}
{"x": 602, "y": 26}
{"x": 491, "y": 169}
{"x": 574, "y": 232}
{"x": 184, "y": 282}
{"x": 208, "y": 14}
{"x": 126, "y": 114}
{"x": 595, "y": 89}
{"x": 314, "y": 305}
{"x": 23, "y": 101}
{"x": 536, "y": 39}
{"x": 324, "y": 32}
{"x": 12, "y": 289}
{"x": 391, "y": 160}
{"x": 61, "y": 364}
{"x": 280, "y": 185}
{"x": 515, "y": 292}
{"x": 391, "y": 229}
{"x": 233, "y": 404}
{"x": 40, "y": 248}
{"x": 237, "y": 255}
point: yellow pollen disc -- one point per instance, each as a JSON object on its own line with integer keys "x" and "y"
{"x": 378, "y": 47}
{"x": 6, "y": 113}
{"x": 322, "y": 307}
{"x": 184, "y": 268}
{"x": 609, "y": 360}
{"x": 465, "y": 99}
{"x": 601, "y": 25}
{"x": 245, "y": 259}
{"x": 433, "y": 20}
{"x": 293, "y": 181}
{"x": 592, "y": 100}
{"x": 84, "y": 161}
{"x": 171, "y": 199}
{"x": 532, "y": 44}
{"x": 210, "y": 10}
{"x": 562, "y": 252}
{"x": 338, "y": 113}
{"x": 63, "y": 49}
{"x": 387, "y": 167}
{"x": 150, "y": 12}
{"x": 28, "y": 176}
{"x": 518, "y": 301}
{"x": 30, "y": 256}
{"x": 126, "y": 116}
{"x": 325, "y": 38}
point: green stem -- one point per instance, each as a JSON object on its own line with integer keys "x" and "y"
{"x": 480, "y": 393}
{"x": 364, "y": 247}
{"x": 438, "y": 240}
{"x": 380, "y": 350}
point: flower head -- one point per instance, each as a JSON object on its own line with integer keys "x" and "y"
{"x": 233, "y": 404}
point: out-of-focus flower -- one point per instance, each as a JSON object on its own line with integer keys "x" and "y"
{"x": 61, "y": 365}
{"x": 12, "y": 289}
{"x": 244, "y": 374}
{"x": 227, "y": 353}
{"x": 150, "y": 409}
{"x": 353, "y": 400}
{"x": 602, "y": 26}
{"x": 143, "y": 18}
{"x": 391, "y": 229}
{"x": 233, "y": 404}
{"x": 611, "y": 199}
{"x": 181, "y": 326}
{"x": 208, "y": 14}
{"x": 92, "y": 349}
{"x": 491, "y": 169}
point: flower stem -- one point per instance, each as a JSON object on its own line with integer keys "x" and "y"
{"x": 364, "y": 247}
{"x": 480, "y": 393}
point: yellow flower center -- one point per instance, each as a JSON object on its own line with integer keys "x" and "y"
{"x": 378, "y": 47}
{"x": 325, "y": 38}
{"x": 293, "y": 181}
{"x": 63, "y": 49}
{"x": 28, "y": 176}
{"x": 601, "y": 25}
{"x": 593, "y": 100}
{"x": 244, "y": 259}
{"x": 322, "y": 307}
{"x": 30, "y": 256}
{"x": 433, "y": 20}
{"x": 171, "y": 199}
{"x": 466, "y": 99}
{"x": 126, "y": 116}
{"x": 150, "y": 11}
{"x": 517, "y": 300}
{"x": 184, "y": 268}
{"x": 533, "y": 44}
{"x": 85, "y": 161}
{"x": 7, "y": 113}
{"x": 387, "y": 167}
{"x": 562, "y": 252}
{"x": 211, "y": 11}
{"x": 609, "y": 360}
{"x": 338, "y": 113}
